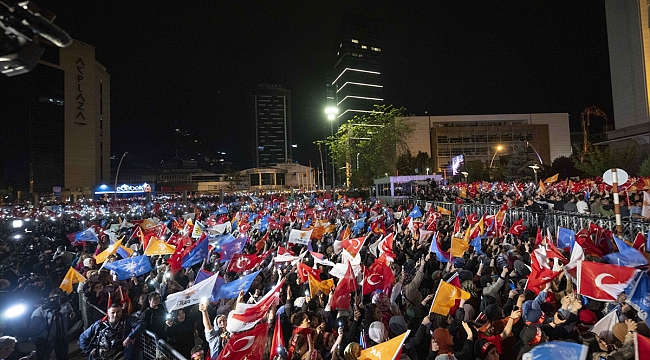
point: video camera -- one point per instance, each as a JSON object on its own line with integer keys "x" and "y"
{"x": 23, "y": 26}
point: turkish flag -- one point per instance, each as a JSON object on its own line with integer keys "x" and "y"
{"x": 517, "y": 228}
{"x": 472, "y": 218}
{"x": 379, "y": 276}
{"x": 538, "y": 237}
{"x": 583, "y": 238}
{"x": 552, "y": 252}
{"x": 304, "y": 271}
{"x": 603, "y": 282}
{"x": 242, "y": 262}
{"x": 639, "y": 241}
{"x": 176, "y": 260}
{"x": 353, "y": 246}
{"x": 540, "y": 272}
{"x": 386, "y": 247}
{"x": 249, "y": 344}
{"x": 347, "y": 285}
{"x": 603, "y": 238}
{"x": 278, "y": 339}
{"x": 283, "y": 251}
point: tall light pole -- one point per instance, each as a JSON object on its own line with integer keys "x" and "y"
{"x": 536, "y": 153}
{"x": 535, "y": 168}
{"x": 499, "y": 148}
{"x": 331, "y": 112}
{"x": 117, "y": 173}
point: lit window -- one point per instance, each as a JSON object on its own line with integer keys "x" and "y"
{"x": 341, "y": 45}
{"x": 355, "y": 41}
{"x": 364, "y": 47}
{"x": 375, "y": 49}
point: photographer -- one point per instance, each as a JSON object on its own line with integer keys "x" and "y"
{"x": 49, "y": 326}
{"x": 113, "y": 336}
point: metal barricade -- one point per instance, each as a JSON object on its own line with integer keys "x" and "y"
{"x": 147, "y": 346}
{"x": 550, "y": 219}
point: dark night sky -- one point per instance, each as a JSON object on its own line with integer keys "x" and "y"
{"x": 196, "y": 62}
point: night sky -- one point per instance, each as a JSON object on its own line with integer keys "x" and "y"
{"x": 195, "y": 62}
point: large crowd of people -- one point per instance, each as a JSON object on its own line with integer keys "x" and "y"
{"x": 503, "y": 309}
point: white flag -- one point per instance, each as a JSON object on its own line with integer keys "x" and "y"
{"x": 220, "y": 229}
{"x": 191, "y": 295}
{"x": 299, "y": 236}
{"x": 603, "y": 328}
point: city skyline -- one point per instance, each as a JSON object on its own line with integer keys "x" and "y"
{"x": 197, "y": 63}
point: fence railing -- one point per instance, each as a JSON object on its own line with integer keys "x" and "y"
{"x": 148, "y": 346}
{"x": 550, "y": 219}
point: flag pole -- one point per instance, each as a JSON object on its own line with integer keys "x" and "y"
{"x": 617, "y": 207}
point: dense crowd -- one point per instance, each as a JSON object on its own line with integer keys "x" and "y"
{"x": 498, "y": 314}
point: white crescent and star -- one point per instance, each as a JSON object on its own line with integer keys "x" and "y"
{"x": 249, "y": 342}
{"x": 373, "y": 283}
{"x": 599, "y": 279}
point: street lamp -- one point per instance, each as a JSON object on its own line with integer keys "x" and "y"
{"x": 331, "y": 112}
{"x": 465, "y": 173}
{"x": 499, "y": 148}
{"x": 117, "y": 173}
{"x": 427, "y": 171}
{"x": 535, "y": 168}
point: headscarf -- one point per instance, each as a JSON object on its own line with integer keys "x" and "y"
{"x": 468, "y": 285}
{"x": 377, "y": 332}
{"x": 444, "y": 340}
{"x": 352, "y": 351}
{"x": 381, "y": 300}
{"x": 397, "y": 325}
{"x": 493, "y": 312}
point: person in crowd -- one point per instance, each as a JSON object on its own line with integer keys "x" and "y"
{"x": 48, "y": 328}
{"x": 216, "y": 332}
{"x": 7, "y": 344}
{"x": 112, "y": 337}
{"x": 180, "y": 331}
{"x": 581, "y": 204}
{"x": 155, "y": 315}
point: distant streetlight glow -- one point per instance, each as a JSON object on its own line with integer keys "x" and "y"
{"x": 535, "y": 168}
{"x": 499, "y": 148}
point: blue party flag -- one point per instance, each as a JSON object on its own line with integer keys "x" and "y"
{"x": 640, "y": 293}
{"x": 198, "y": 253}
{"x": 558, "y": 350}
{"x": 358, "y": 226}
{"x": 415, "y": 213}
{"x": 565, "y": 238}
{"x": 86, "y": 235}
{"x": 202, "y": 275}
{"x": 128, "y": 268}
{"x": 230, "y": 249}
{"x": 626, "y": 255}
{"x": 647, "y": 241}
{"x": 221, "y": 210}
{"x": 231, "y": 290}
{"x": 435, "y": 248}
{"x": 476, "y": 244}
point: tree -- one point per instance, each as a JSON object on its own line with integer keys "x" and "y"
{"x": 407, "y": 164}
{"x": 564, "y": 166}
{"x": 517, "y": 167}
{"x": 476, "y": 171}
{"x": 377, "y": 138}
{"x": 644, "y": 170}
{"x": 597, "y": 160}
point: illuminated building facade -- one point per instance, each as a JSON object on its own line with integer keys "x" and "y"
{"x": 628, "y": 33}
{"x": 272, "y": 107}
{"x": 56, "y": 122}
{"x": 477, "y": 137}
{"x": 357, "y": 84}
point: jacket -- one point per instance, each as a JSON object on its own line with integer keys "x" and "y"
{"x": 88, "y": 341}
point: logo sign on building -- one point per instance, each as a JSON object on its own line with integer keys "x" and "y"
{"x": 57, "y": 192}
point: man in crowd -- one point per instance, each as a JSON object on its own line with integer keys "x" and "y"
{"x": 113, "y": 337}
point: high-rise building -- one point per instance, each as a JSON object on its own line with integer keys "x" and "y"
{"x": 58, "y": 123}
{"x": 272, "y": 107}
{"x": 628, "y": 33}
{"x": 357, "y": 83}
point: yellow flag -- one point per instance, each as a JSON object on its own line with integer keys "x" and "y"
{"x": 458, "y": 247}
{"x": 387, "y": 350}
{"x": 446, "y": 297}
{"x": 346, "y": 233}
{"x": 102, "y": 256}
{"x": 552, "y": 179}
{"x": 159, "y": 247}
{"x": 315, "y": 285}
{"x": 443, "y": 211}
{"x": 71, "y": 277}
{"x": 463, "y": 193}
{"x": 147, "y": 223}
{"x": 317, "y": 232}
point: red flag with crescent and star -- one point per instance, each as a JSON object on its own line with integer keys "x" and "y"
{"x": 378, "y": 276}
{"x": 353, "y": 246}
{"x": 603, "y": 282}
{"x": 246, "y": 345}
{"x": 242, "y": 262}
{"x": 304, "y": 271}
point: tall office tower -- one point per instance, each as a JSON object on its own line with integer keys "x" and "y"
{"x": 272, "y": 106}
{"x": 58, "y": 122}
{"x": 628, "y": 33}
{"x": 357, "y": 80}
